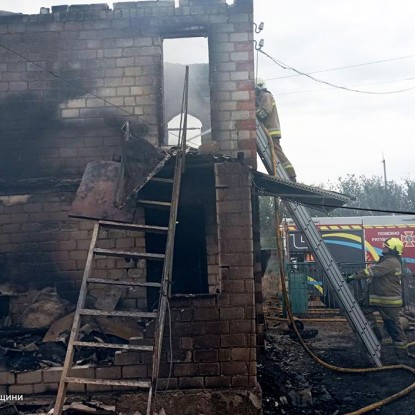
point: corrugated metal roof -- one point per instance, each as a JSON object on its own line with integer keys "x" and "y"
{"x": 314, "y": 197}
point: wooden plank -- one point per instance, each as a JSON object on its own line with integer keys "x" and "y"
{"x": 114, "y": 346}
{"x": 128, "y": 254}
{"x": 136, "y": 314}
{"x": 123, "y": 282}
{"x": 133, "y": 227}
{"x": 114, "y": 382}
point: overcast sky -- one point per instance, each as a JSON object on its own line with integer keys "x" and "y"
{"x": 328, "y": 132}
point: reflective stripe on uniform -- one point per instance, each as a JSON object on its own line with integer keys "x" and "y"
{"x": 400, "y": 345}
{"x": 380, "y": 300}
{"x": 274, "y": 133}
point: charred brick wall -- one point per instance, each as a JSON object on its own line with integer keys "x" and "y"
{"x": 69, "y": 80}
{"x": 213, "y": 336}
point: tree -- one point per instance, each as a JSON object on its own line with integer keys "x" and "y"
{"x": 371, "y": 194}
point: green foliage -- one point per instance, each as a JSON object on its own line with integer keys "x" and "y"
{"x": 371, "y": 193}
{"x": 368, "y": 193}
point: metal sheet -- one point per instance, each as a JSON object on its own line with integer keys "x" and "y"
{"x": 95, "y": 196}
{"x": 140, "y": 162}
{"x": 306, "y": 195}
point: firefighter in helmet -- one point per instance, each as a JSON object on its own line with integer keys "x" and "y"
{"x": 385, "y": 293}
{"x": 268, "y": 115}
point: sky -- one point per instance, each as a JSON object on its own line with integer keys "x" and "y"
{"x": 329, "y": 132}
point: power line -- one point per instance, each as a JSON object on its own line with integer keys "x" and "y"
{"x": 285, "y": 66}
{"x": 305, "y": 91}
{"x": 344, "y": 67}
{"x": 71, "y": 81}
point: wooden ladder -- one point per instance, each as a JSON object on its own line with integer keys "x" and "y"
{"x": 158, "y": 315}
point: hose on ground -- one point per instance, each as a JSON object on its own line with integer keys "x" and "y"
{"x": 291, "y": 319}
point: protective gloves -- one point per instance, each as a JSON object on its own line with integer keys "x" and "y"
{"x": 350, "y": 278}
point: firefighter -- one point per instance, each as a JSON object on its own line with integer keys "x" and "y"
{"x": 268, "y": 115}
{"x": 385, "y": 293}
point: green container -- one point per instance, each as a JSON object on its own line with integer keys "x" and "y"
{"x": 298, "y": 292}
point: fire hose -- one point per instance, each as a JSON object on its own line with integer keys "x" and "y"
{"x": 292, "y": 322}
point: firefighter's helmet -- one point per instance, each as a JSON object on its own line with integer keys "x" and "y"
{"x": 260, "y": 83}
{"x": 395, "y": 245}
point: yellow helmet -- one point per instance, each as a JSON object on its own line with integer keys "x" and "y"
{"x": 395, "y": 245}
{"x": 260, "y": 83}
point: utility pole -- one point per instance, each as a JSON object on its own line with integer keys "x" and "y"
{"x": 384, "y": 171}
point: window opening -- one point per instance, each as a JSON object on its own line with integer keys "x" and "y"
{"x": 177, "y": 53}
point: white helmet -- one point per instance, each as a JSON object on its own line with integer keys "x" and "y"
{"x": 260, "y": 83}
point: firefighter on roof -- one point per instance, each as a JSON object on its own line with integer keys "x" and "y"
{"x": 268, "y": 115}
{"x": 385, "y": 293}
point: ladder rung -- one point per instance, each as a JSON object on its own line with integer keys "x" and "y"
{"x": 142, "y": 314}
{"x": 114, "y": 382}
{"x": 154, "y": 203}
{"x": 127, "y": 283}
{"x": 161, "y": 180}
{"x": 128, "y": 254}
{"x": 114, "y": 346}
{"x": 133, "y": 227}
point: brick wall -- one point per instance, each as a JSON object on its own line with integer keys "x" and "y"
{"x": 213, "y": 336}
{"x": 52, "y": 126}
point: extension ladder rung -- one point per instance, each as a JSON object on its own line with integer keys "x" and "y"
{"x": 162, "y": 180}
{"x": 113, "y": 346}
{"x": 128, "y": 254}
{"x": 136, "y": 314}
{"x": 124, "y": 283}
{"x": 110, "y": 382}
{"x": 133, "y": 227}
{"x": 154, "y": 203}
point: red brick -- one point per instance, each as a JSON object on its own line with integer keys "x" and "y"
{"x": 112, "y": 372}
{"x": 244, "y": 354}
{"x": 29, "y": 377}
{"x": 232, "y": 313}
{"x": 185, "y": 369}
{"x": 209, "y": 369}
{"x": 234, "y": 368}
{"x": 218, "y": 381}
{"x": 186, "y": 343}
{"x": 21, "y": 389}
{"x": 216, "y": 327}
{"x": 135, "y": 371}
{"x": 206, "y": 342}
{"x": 172, "y": 384}
{"x": 191, "y": 383}
{"x": 206, "y": 356}
{"x": 52, "y": 375}
{"x": 206, "y": 313}
{"x": 7, "y": 378}
{"x": 242, "y": 327}
{"x": 240, "y": 381}
{"x": 233, "y": 340}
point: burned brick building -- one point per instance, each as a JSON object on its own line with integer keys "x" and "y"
{"x": 70, "y": 79}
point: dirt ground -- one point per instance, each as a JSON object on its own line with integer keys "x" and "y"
{"x": 293, "y": 383}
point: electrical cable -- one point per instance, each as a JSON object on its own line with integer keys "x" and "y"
{"x": 305, "y": 91}
{"x": 285, "y": 66}
{"x": 71, "y": 82}
{"x": 343, "y": 67}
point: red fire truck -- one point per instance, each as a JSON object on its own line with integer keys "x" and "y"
{"x": 355, "y": 240}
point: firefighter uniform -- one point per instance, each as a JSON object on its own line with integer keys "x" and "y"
{"x": 268, "y": 115}
{"x": 385, "y": 297}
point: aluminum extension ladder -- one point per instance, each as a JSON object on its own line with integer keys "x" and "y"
{"x": 304, "y": 222}
{"x": 158, "y": 315}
